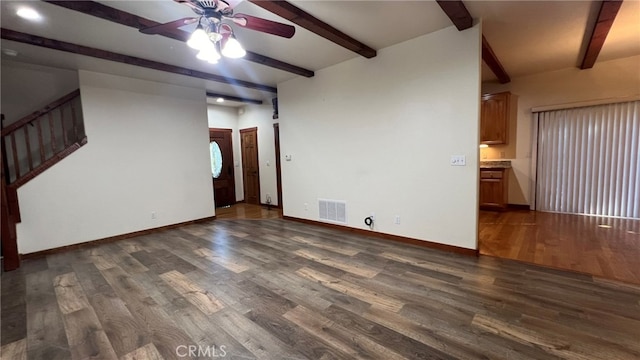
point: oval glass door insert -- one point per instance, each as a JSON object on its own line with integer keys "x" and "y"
{"x": 216, "y": 159}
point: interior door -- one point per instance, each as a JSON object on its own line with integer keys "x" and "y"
{"x": 221, "y": 152}
{"x": 250, "y": 171}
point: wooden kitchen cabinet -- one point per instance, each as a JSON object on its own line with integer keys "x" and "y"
{"x": 493, "y": 188}
{"x": 494, "y": 118}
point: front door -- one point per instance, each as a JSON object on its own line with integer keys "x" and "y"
{"x": 221, "y": 152}
{"x": 251, "y": 175}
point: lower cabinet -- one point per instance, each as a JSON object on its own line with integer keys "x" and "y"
{"x": 493, "y": 188}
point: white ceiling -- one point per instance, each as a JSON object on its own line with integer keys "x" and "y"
{"x": 527, "y": 36}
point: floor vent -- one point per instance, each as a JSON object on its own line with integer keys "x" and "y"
{"x": 332, "y": 211}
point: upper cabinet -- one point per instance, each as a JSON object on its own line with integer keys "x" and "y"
{"x": 494, "y": 118}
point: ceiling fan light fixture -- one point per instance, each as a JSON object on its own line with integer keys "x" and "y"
{"x": 198, "y": 39}
{"x": 209, "y": 53}
{"x": 233, "y": 49}
{"x": 215, "y": 37}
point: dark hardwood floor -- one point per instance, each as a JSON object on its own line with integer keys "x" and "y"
{"x": 276, "y": 289}
{"x": 599, "y": 246}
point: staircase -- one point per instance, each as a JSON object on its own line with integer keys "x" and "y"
{"x": 30, "y": 146}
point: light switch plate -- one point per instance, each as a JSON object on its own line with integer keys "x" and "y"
{"x": 458, "y": 160}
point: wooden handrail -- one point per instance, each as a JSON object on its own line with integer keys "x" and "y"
{"x": 27, "y": 119}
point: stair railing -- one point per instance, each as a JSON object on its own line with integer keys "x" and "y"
{"x": 39, "y": 140}
{"x": 30, "y": 146}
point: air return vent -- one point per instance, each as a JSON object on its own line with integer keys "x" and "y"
{"x": 333, "y": 211}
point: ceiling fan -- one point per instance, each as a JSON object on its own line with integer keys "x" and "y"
{"x": 214, "y": 32}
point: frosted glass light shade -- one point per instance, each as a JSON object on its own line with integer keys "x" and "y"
{"x": 233, "y": 49}
{"x": 209, "y": 53}
{"x": 198, "y": 39}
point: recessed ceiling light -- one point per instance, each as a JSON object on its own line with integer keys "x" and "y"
{"x": 28, "y": 13}
{"x": 219, "y": 100}
{"x": 10, "y": 52}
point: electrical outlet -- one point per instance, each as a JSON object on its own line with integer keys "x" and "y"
{"x": 306, "y": 206}
{"x": 397, "y": 220}
{"x": 154, "y": 215}
{"x": 373, "y": 216}
{"x": 502, "y": 154}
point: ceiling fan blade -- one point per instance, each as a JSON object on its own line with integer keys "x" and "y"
{"x": 264, "y": 25}
{"x": 191, "y": 3}
{"x": 172, "y": 25}
{"x": 233, "y": 3}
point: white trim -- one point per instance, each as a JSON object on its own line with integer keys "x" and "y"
{"x": 585, "y": 103}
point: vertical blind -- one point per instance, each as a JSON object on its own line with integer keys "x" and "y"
{"x": 588, "y": 160}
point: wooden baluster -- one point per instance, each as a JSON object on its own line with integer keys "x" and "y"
{"x": 40, "y": 139}
{"x": 75, "y": 124}
{"x": 53, "y": 133}
{"x": 5, "y": 161}
{"x": 14, "y": 152}
{"x": 5, "y": 152}
{"x": 64, "y": 129}
{"x": 27, "y": 142}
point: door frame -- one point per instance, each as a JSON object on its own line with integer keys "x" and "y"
{"x": 276, "y": 136}
{"x": 244, "y": 180}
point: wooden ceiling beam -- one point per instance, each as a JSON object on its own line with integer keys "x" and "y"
{"x": 234, "y": 98}
{"x": 125, "y": 59}
{"x": 457, "y": 12}
{"x": 305, "y": 20}
{"x": 124, "y": 18}
{"x": 490, "y": 58}
{"x": 606, "y": 16}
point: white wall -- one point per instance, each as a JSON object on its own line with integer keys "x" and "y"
{"x": 379, "y": 134}
{"x": 610, "y": 79}
{"x": 147, "y": 152}
{"x": 19, "y": 95}
{"x": 250, "y": 116}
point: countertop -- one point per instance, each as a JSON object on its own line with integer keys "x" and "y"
{"x": 498, "y": 164}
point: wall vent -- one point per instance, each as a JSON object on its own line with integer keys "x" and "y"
{"x": 333, "y": 211}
